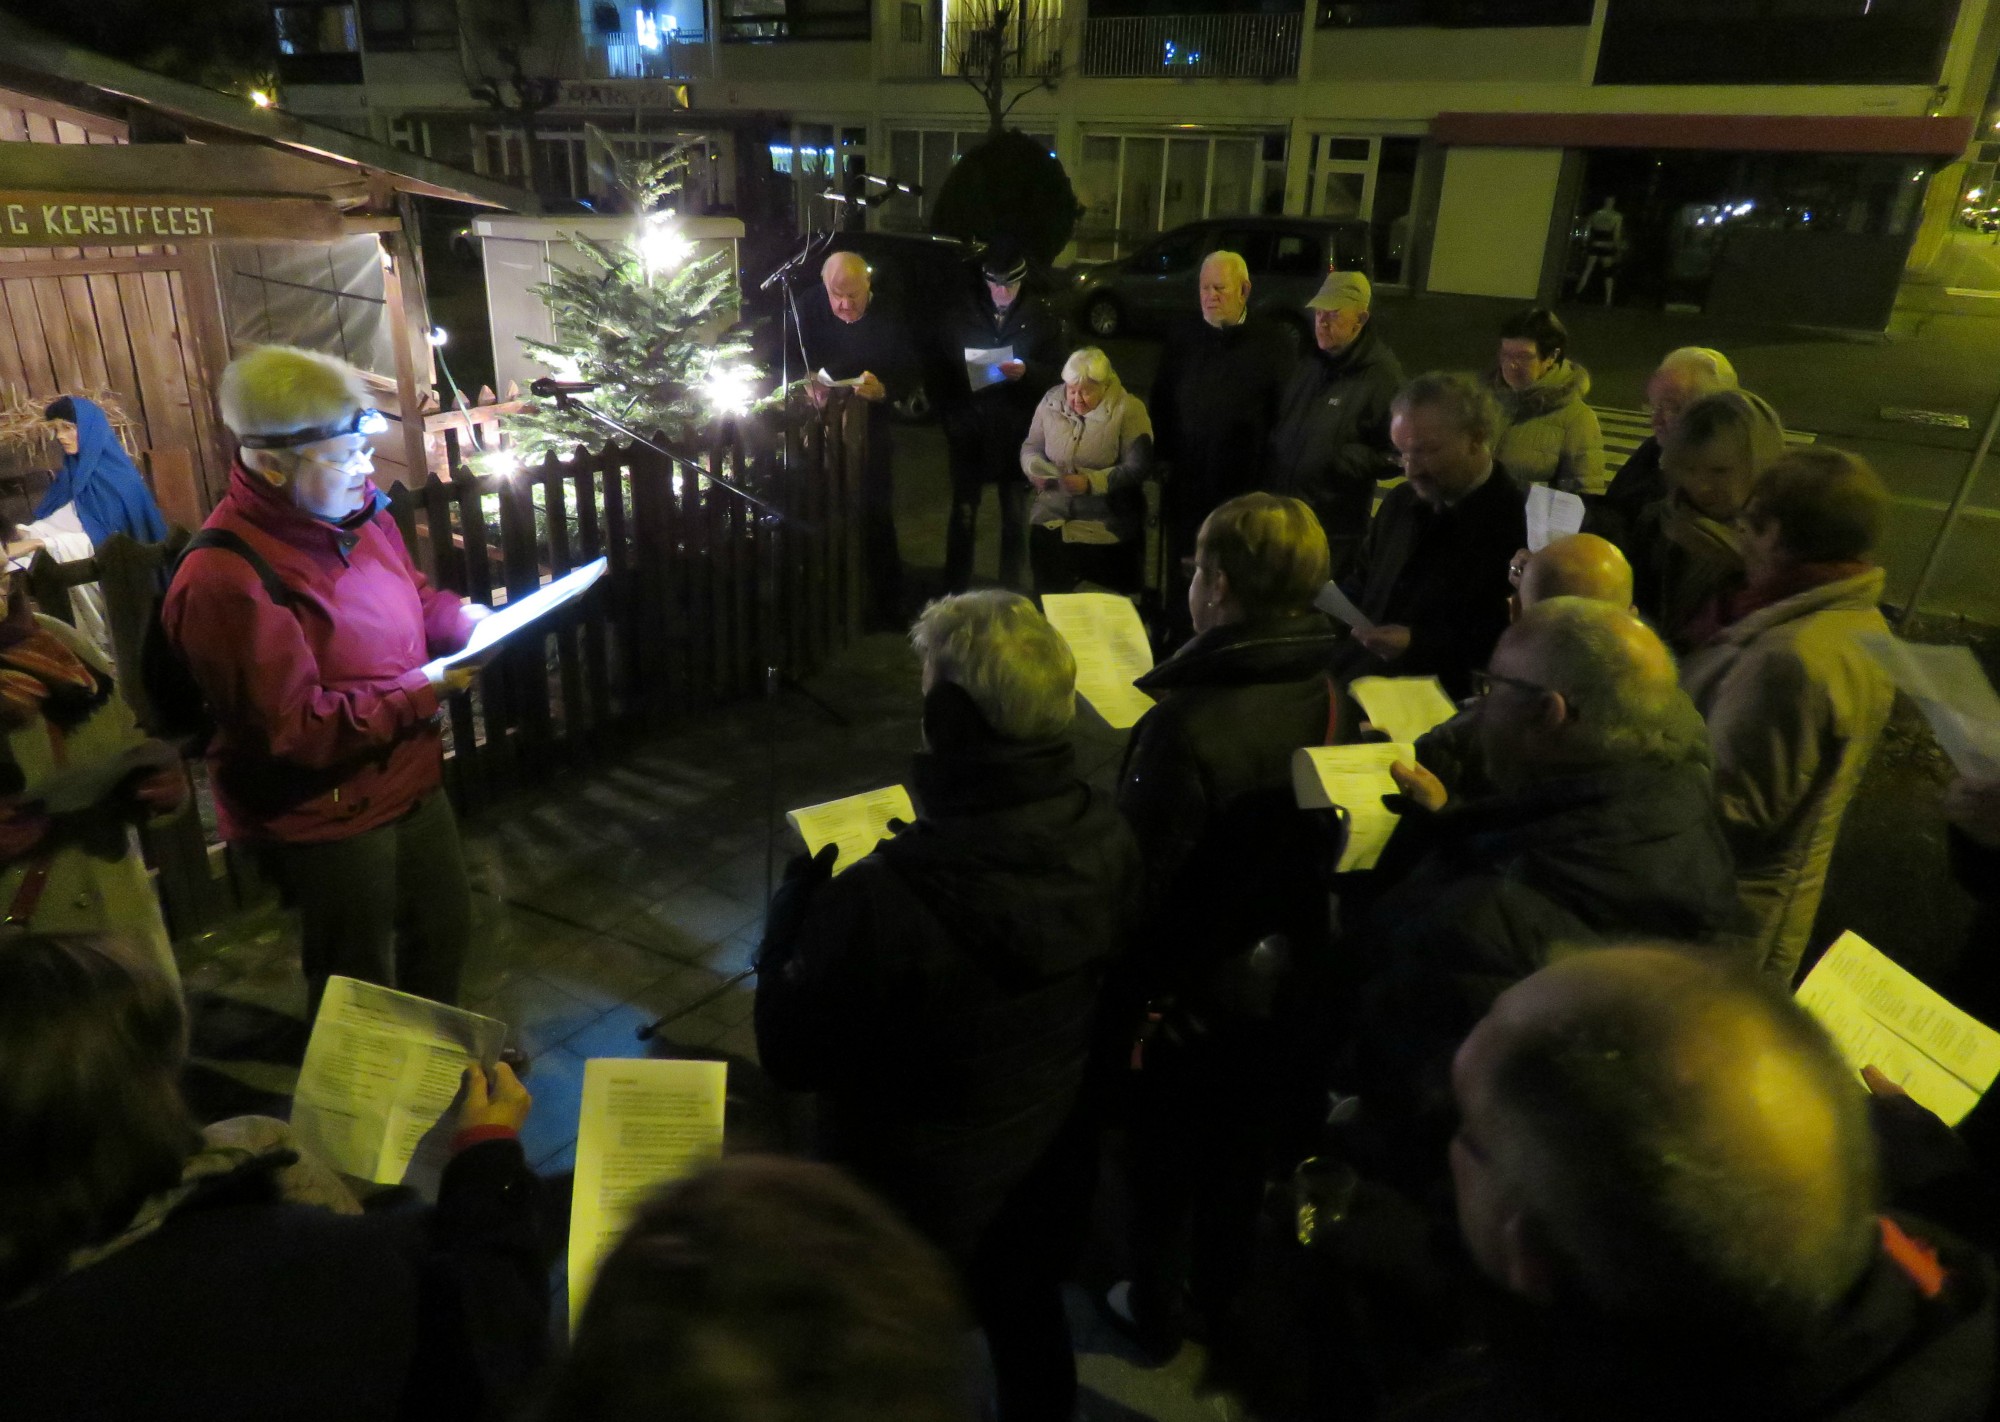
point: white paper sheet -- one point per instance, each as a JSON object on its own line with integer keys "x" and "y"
{"x": 1356, "y": 778}
{"x": 1333, "y": 602}
{"x": 1552, "y": 514}
{"x": 1109, "y": 643}
{"x": 1953, "y": 693}
{"x": 643, "y": 1124}
{"x": 520, "y": 612}
{"x": 857, "y": 823}
{"x": 830, "y": 383}
{"x": 1403, "y": 707}
{"x": 382, "y": 1072}
{"x": 1881, "y": 1015}
{"x": 982, "y": 367}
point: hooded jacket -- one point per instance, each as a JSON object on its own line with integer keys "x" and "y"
{"x": 1331, "y": 443}
{"x": 1547, "y": 434}
{"x": 322, "y": 709}
{"x": 101, "y": 480}
{"x": 1682, "y": 560}
{"x": 1794, "y": 709}
{"x": 941, "y": 995}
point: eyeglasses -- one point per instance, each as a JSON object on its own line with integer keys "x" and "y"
{"x": 1483, "y": 683}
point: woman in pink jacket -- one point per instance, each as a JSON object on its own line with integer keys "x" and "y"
{"x": 327, "y": 762}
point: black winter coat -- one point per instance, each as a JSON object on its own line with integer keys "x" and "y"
{"x": 1331, "y": 443}
{"x": 1214, "y": 403}
{"x": 986, "y": 427}
{"x": 878, "y": 343}
{"x": 1443, "y": 574}
{"x": 940, "y": 996}
{"x": 242, "y": 1307}
{"x": 1207, "y": 788}
{"x": 1640, "y": 481}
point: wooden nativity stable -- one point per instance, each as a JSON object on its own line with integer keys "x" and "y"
{"x": 150, "y": 230}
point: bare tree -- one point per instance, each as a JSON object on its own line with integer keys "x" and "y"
{"x": 514, "y": 54}
{"x": 999, "y": 45}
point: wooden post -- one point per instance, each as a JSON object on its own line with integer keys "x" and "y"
{"x": 404, "y": 297}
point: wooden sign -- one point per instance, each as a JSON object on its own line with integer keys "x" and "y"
{"x": 52, "y": 219}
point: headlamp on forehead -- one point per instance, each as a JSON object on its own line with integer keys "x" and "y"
{"x": 361, "y": 422}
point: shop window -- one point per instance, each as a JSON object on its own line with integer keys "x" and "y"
{"x": 755, "y": 20}
{"x": 1774, "y": 41}
{"x": 409, "y": 24}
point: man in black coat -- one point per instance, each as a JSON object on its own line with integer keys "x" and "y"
{"x": 1331, "y": 444}
{"x": 985, "y": 426}
{"x": 941, "y": 995}
{"x": 1684, "y": 376}
{"x": 1214, "y": 401}
{"x": 848, "y": 335}
{"x": 1665, "y": 1172}
{"x": 1433, "y": 573}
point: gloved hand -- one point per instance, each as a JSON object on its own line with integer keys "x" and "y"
{"x": 804, "y": 877}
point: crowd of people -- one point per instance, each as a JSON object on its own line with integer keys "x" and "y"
{"x": 1521, "y": 1123}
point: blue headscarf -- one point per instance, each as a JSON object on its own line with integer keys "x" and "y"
{"x": 101, "y": 480}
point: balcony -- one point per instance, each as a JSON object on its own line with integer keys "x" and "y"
{"x": 1192, "y": 47}
{"x": 678, "y": 56}
{"x": 1034, "y": 49}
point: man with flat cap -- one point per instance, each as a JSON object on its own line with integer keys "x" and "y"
{"x": 1331, "y": 443}
{"x": 995, "y": 405}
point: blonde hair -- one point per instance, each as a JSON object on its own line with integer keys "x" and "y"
{"x": 1738, "y": 411}
{"x": 1088, "y": 363}
{"x": 1272, "y": 550}
{"x": 1016, "y": 668}
{"x": 277, "y": 390}
{"x": 1231, "y": 262}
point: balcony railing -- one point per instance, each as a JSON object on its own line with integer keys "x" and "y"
{"x": 1192, "y": 47}
{"x": 680, "y": 56}
{"x": 1034, "y": 47}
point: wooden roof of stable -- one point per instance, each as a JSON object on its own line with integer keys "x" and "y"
{"x": 237, "y": 148}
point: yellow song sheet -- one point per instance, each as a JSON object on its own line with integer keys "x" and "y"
{"x": 857, "y": 823}
{"x": 1109, "y": 643}
{"x": 1356, "y": 778}
{"x": 1403, "y": 707}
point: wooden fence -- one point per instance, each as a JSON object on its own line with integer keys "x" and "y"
{"x": 703, "y": 600}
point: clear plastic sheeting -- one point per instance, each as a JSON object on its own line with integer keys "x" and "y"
{"x": 324, "y": 296}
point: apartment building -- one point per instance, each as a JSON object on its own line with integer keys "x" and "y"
{"x": 1767, "y": 157}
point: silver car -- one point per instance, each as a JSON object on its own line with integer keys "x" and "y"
{"x": 1288, "y": 258}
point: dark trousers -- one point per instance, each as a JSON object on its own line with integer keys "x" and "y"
{"x": 1016, "y": 1276}
{"x": 391, "y": 905}
{"x": 1060, "y": 566}
{"x": 881, "y": 558}
{"x": 968, "y": 490}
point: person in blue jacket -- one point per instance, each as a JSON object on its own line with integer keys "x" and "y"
{"x": 98, "y": 476}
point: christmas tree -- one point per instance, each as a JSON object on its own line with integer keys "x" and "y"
{"x": 646, "y": 320}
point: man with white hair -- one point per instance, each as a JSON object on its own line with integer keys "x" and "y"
{"x": 849, "y": 336}
{"x": 1684, "y": 376}
{"x": 940, "y": 995}
{"x": 1214, "y": 402}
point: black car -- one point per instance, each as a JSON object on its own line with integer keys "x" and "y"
{"x": 1288, "y": 258}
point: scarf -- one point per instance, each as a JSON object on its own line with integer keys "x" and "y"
{"x": 40, "y": 675}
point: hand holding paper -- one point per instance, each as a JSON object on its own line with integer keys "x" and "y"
{"x": 489, "y": 631}
{"x": 1354, "y": 778}
{"x": 856, "y": 824}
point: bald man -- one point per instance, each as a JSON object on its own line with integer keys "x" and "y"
{"x": 1600, "y": 824}
{"x": 1667, "y": 1170}
{"x": 846, "y": 333}
{"x": 1684, "y": 376}
{"x": 1214, "y": 403}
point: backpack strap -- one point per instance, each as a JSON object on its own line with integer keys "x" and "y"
{"x": 229, "y": 541}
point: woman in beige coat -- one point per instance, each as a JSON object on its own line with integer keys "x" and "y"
{"x": 1547, "y": 435}
{"x": 1794, "y": 705}
{"x": 1087, "y": 456}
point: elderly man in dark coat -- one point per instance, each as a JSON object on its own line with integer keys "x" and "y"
{"x": 1332, "y": 440}
{"x": 1433, "y": 574}
{"x": 941, "y": 995}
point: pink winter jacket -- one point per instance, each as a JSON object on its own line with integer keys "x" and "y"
{"x": 323, "y": 713}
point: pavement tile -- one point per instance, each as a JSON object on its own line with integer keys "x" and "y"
{"x": 606, "y": 971}
{"x": 556, "y": 1083}
{"x": 538, "y": 1013}
{"x": 693, "y": 910}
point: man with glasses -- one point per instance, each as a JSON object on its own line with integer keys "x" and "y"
{"x": 1601, "y": 825}
{"x": 308, "y": 630}
{"x": 1432, "y": 577}
{"x": 1683, "y": 377}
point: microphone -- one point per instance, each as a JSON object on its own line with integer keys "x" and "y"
{"x": 547, "y": 389}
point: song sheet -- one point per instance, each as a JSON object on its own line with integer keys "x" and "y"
{"x": 382, "y": 1073}
{"x": 1881, "y": 1015}
{"x": 1403, "y": 707}
{"x": 1355, "y": 778}
{"x": 1552, "y": 514}
{"x": 857, "y": 823}
{"x": 519, "y": 612}
{"x": 982, "y": 367}
{"x": 1953, "y": 693}
{"x": 1335, "y": 603}
{"x": 643, "y": 1123}
{"x": 1109, "y": 643}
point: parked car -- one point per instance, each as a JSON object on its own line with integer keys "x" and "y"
{"x": 1288, "y": 258}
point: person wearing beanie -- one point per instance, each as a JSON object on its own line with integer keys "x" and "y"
{"x": 327, "y": 760}
{"x": 940, "y": 997}
{"x": 989, "y": 417}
